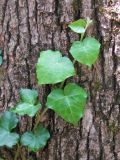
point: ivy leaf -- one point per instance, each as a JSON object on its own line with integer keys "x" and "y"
{"x": 36, "y": 139}
{"x": 8, "y": 121}
{"x": 53, "y": 68}
{"x": 7, "y": 138}
{"x": 86, "y": 51}
{"x": 1, "y": 60}
{"x": 78, "y": 26}
{"x": 26, "y": 108}
{"x": 68, "y": 103}
{"x": 29, "y": 96}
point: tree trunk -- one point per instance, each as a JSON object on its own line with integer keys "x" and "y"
{"x": 29, "y": 26}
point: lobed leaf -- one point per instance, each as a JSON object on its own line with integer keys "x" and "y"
{"x": 53, "y": 68}
{"x": 8, "y": 121}
{"x": 86, "y": 51}
{"x": 7, "y": 138}
{"x": 36, "y": 139}
{"x": 26, "y": 108}
{"x": 68, "y": 103}
{"x": 28, "y": 95}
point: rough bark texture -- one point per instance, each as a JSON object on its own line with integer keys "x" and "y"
{"x": 29, "y": 26}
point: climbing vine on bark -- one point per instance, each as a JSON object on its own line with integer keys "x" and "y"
{"x": 67, "y": 101}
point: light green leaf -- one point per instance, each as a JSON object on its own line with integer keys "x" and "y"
{"x": 36, "y": 139}
{"x": 68, "y": 103}
{"x": 29, "y": 96}
{"x": 86, "y": 51}
{"x": 78, "y": 26}
{"x": 7, "y": 138}
{"x": 26, "y": 108}
{"x": 53, "y": 68}
{"x": 8, "y": 121}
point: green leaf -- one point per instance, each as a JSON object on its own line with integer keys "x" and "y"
{"x": 29, "y": 96}
{"x": 8, "y": 139}
{"x": 78, "y": 26}
{"x": 1, "y": 60}
{"x": 8, "y": 121}
{"x": 53, "y": 68}
{"x": 36, "y": 139}
{"x": 26, "y": 108}
{"x": 86, "y": 51}
{"x": 68, "y": 103}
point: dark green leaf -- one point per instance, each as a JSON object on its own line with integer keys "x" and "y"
{"x": 86, "y": 51}
{"x": 8, "y": 121}
{"x": 26, "y": 108}
{"x": 68, "y": 103}
{"x": 1, "y": 60}
{"x": 29, "y": 96}
{"x": 53, "y": 68}
{"x": 8, "y": 139}
{"x": 37, "y": 139}
{"x": 78, "y": 26}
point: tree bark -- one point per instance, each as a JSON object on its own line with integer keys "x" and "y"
{"x": 29, "y": 26}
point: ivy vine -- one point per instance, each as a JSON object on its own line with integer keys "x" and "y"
{"x": 67, "y": 101}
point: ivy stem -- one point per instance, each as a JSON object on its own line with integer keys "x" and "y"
{"x": 82, "y": 35}
{"x": 17, "y": 152}
{"x": 62, "y": 84}
{"x": 40, "y": 117}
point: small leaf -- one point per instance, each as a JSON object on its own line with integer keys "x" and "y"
{"x": 86, "y": 51}
{"x": 29, "y": 96}
{"x": 26, "y": 108}
{"x": 8, "y": 121}
{"x": 8, "y": 139}
{"x": 37, "y": 139}
{"x": 78, "y": 26}
{"x": 1, "y": 60}
{"x": 68, "y": 103}
{"x": 53, "y": 68}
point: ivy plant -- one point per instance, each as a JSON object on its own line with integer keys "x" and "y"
{"x": 66, "y": 101}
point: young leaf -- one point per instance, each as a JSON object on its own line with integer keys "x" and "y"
{"x": 36, "y": 139}
{"x": 8, "y": 121}
{"x": 7, "y": 138}
{"x": 26, "y": 108}
{"x": 53, "y": 68}
{"x": 86, "y": 51}
{"x": 68, "y": 103}
{"x": 78, "y": 26}
{"x": 29, "y": 96}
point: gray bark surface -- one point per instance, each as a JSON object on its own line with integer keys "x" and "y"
{"x": 29, "y": 26}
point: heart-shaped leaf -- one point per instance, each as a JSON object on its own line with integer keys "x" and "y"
{"x": 26, "y": 108}
{"x": 53, "y": 68}
{"x": 78, "y": 26}
{"x": 86, "y": 51}
{"x": 7, "y": 138}
{"x": 68, "y": 103}
{"x": 8, "y": 121}
{"x": 36, "y": 139}
{"x": 29, "y": 96}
